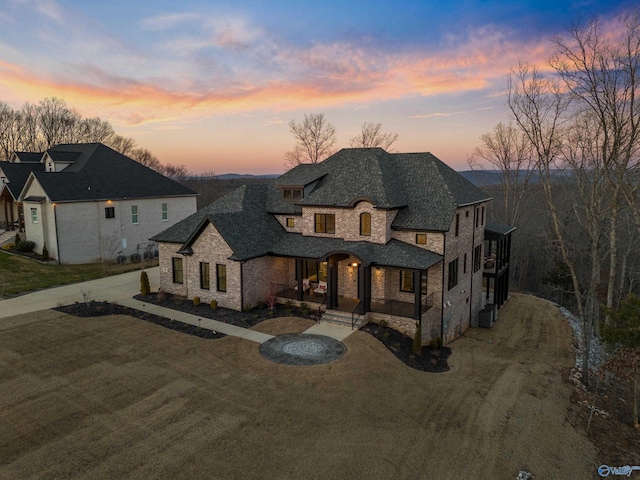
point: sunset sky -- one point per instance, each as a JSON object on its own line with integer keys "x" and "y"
{"x": 212, "y": 85}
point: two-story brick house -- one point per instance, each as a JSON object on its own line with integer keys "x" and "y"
{"x": 367, "y": 233}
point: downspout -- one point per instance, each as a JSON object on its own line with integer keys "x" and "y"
{"x": 444, "y": 257}
{"x": 241, "y": 288}
{"x": 55, "y": 226}
{"x": 473, "y": 246}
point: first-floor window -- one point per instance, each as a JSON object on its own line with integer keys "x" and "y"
{"x": 34, "y": 215}
{"x": 221, "y": 278}
{"x": 453, "y": 274}
{"x": 477, "y": 258}
{"x": 178, "y": 276}
{"x": 165, "y": 212}
{"x": 204, "y": 276}
{"x": 406, "y": 281}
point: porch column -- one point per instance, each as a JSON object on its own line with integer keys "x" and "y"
{"x": 332, "y": 285}
{"x": 417, "y": 290}
{"x": 6, "y": 215}
{"x": 300, "y": 292}
{"x": 364, "y": 288}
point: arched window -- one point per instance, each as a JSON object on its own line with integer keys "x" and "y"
{"x": 365, "y": 224}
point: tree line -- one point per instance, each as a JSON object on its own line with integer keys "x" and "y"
{"x": 570, "y": 179}
{"x": 38, "y": 127}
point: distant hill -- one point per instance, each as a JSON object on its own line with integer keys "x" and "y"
{"x": 485, "y": 178}
{"x": 230, "y": 176}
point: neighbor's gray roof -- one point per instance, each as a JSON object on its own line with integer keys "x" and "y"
{"x": 29, "y": 157}
{"x": 100, "y": 173}
{"x": 424, "y": 189}
{"x": 17, "y": 175}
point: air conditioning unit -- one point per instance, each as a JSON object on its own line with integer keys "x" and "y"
{"x": 135, "y": 257}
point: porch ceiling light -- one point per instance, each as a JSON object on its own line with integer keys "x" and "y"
{"x": 354, "y": 264}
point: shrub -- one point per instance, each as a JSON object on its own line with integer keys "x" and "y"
{"x": 196, "y": 301}
{"x": 45, "y": 252}
{"x": 261, "y": 305}
{"x": 383, "y": 323}
{"x": 145, "y": 289}
{"x": 25, "y": 246}
{"x": 417, "y": 340}
{"x": 214, "y": 304}
{"x": 433, "y": 344}
{"x": 17, "y": 240}
{"x": 8, "y": 246}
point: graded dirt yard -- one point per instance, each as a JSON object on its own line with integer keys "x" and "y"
{"x": 116, "y": 397}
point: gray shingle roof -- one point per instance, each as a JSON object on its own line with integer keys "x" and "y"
{"x": 17, "y": 175}
{"x": 498, "y": 229}
{"x": 425, "y": 190}
{"x": 29, "y": 157}
{"x": 394, "y": 254}
{"x": 100, "y": 173}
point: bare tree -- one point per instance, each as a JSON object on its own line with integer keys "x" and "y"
{"x": 602, "y": 77}
{"x": 371, "y": 136}
{"x": 56, "y": 122}
{"x": 508, "y": 151}
{"x": 315, "y": 138}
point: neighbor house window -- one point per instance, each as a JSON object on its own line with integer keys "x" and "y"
{"x": 290, "y": 222}
{"x": 325, "y": 223}
{"x": 176, "y": 263}
{"x": 165, "y": 212}
{"x": 464, "y": 264}
{"x": 453, "y": 274}
{"x": 110, "y": 212}
{"x": 221, "y": 278}
{"x": 406, "y": 281}
{"x": 477, "y": 258}
{"x": 457, "y": 224}
{"x": 34, "y": 215}
{"x": 292, "y": 194}
{"x": 421, "y": 238}
{"x": 134, "y": 214}
{"x": 477, "y": 216}
{"x": 204, "y": 276}
{"x": 365, "y": 224}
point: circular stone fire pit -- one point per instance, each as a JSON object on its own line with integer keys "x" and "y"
{"x": 302, "y": 349}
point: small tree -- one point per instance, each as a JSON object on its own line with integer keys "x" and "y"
{"x": 417, "y": 340}
{"x": 45, "y": 252}
{"x": 145, "y": 288}
{"x": 371, "y": 136}
{"x": 315, "y": 138}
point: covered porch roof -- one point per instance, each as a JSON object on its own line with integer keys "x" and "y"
{"x": 393, "y": 254}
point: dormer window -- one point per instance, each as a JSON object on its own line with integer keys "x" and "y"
{"x": 292, "y": 194}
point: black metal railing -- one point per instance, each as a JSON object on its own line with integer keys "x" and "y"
{"x": 354, "y": 319}
{"x": 320, "y": 312}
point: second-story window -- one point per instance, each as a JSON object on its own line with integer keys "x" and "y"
{"x": 457, "y": 224}
{"x": 291, "y": 222}
{"x": 134, "y": 214}
{"x": 421, "y": 238}
{"x": 109, "y": 212}
{"x": 165, "y": 212}
{"x": 365, "y": 224}
{"x": 325, "y": 223}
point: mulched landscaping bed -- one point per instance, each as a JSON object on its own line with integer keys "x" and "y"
{"x": 97, "y": 309}
{"x": 233, "y": 317}
{"x": 429, "y": 360}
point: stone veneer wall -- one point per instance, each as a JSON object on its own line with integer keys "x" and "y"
{"x": 297, "y": 223}
{"x": 348, "y": 278}
{"x": 435, "y": 240}
{"x": 166, "y": 252}
{"x": 462, "y": 302}
{"x": 348, "y": 222}
{"x": 259, "y": 274}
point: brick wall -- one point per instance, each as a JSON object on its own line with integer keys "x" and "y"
{"x": 435, "y": 240}
{"x": 259, "y": 274}
{"x": 348, "y": 222}
{"x": 297, "y": 222}
{"x": 462, "y": 301}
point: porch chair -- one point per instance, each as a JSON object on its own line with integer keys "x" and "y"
{"x": 321, "y": 288}
{"x": 306, "y": 285}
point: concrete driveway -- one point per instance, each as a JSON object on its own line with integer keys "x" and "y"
{"x": 109, "y": 289}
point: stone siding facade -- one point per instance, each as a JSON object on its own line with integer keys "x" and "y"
{"x": 297, "y": 223}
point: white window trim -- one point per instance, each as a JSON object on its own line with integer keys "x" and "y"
{"x": 137, "y": 215}
{"x": 165, "y": 212}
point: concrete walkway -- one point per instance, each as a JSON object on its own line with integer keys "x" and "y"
{"x": 121, "y": 289}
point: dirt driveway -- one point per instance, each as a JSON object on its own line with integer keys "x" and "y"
{"x": 116, "y": 397}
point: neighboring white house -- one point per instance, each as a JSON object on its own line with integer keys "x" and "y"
{"x": 92, "y": 203}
